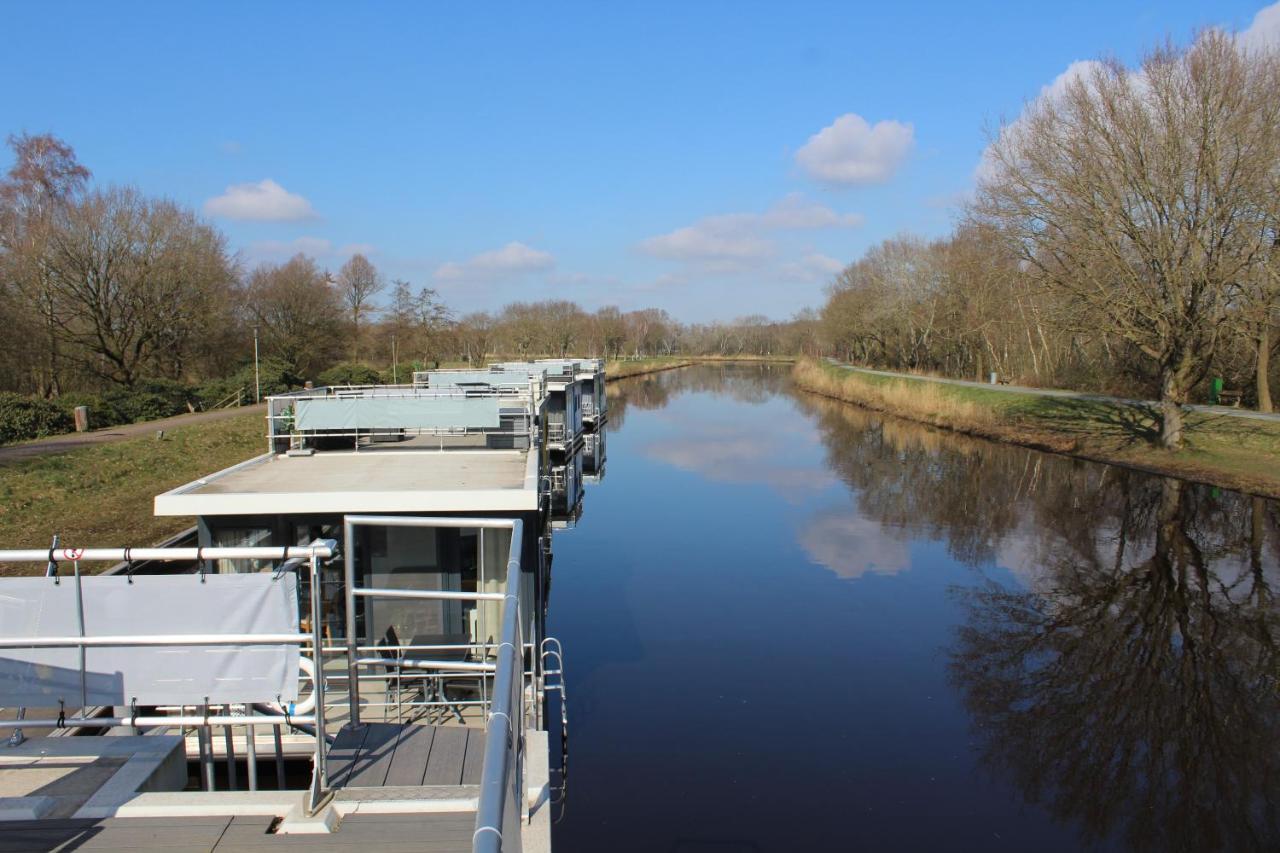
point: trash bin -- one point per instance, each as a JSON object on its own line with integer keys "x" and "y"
{"x": 1215, "y": 390}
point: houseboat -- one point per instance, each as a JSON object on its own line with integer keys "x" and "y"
{"x": 350, "y": 642}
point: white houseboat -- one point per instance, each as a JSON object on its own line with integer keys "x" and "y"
{"x": 352, "y": 643}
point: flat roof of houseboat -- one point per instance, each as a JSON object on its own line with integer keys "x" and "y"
{"x": 368, "y": 480}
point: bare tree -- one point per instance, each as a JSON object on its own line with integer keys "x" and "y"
{"x": 475, "y": 333}
{"x": 133, "y": 281}
{"x": 358, "y": 284}
{"x": 45, "y": 178}
{"x": 299, "y": 312}
{"x": 610, "y": 330}
{"x": 1135, "y": 195}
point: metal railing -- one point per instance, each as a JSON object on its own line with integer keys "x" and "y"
{"x": 521, "y": 401}
{"x": 290, "y": 558}
{"x": 501, "y": 803}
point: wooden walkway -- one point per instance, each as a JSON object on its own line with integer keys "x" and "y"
{"x": 375, "y": 755}
{"x": 385, "y": 833}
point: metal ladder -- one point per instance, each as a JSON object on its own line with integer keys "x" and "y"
{"x": 552, "y": 654}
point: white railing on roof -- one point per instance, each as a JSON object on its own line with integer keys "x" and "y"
{"x": 391, "y": 412}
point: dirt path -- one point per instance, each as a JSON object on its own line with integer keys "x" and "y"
{"x": 70, "y": 441}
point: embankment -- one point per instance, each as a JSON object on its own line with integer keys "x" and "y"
{"x": 1220, "y": 450}
{"x": 615, "y": 370}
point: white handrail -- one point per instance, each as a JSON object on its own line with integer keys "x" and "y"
{"x": 93, "y": 555}
{"x": 154, "y": 640}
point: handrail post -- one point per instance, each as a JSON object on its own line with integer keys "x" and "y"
{"x": 317, "y": 654}
{"x": 84, "y": 666}
{"x": 320, "y": 785}
{"x": 349, "y": 573}
{"x": 502, "y": 768}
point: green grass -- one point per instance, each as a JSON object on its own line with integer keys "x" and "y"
{"x": 1228, "y": 451}
{"x": 101, "y": 495}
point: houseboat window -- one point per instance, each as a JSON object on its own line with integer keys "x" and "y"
{"x": 242, "y": 537}
{"x": 408, "y": 558}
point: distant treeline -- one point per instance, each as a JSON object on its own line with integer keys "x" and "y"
{"x": 1123, "y": 237}
{"x": 112, "y": 297}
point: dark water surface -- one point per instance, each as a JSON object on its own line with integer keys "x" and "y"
{"x": 793, "y": 626}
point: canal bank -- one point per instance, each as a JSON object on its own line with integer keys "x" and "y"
{"x": 1222, "y": 448}
{"x": 797, "y": 625}
{"x": 616, "y": 370}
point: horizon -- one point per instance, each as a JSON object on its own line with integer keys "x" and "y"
{"x": 684, "y": 161}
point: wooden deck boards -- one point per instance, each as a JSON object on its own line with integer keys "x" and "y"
{"x": 429, "y": 833}
{"x": 373, "y": 755}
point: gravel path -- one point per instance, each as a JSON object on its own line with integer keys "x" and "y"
{"x": 70, "y": 441}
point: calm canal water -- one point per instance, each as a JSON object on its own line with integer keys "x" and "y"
{"x": 790, "y": 625}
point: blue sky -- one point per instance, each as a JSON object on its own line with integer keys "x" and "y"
{"x": 713, "y": 159}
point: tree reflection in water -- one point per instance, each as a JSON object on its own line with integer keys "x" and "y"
{"x": 1133, "y": 687}
{"x": 744, "y": 382}
{"x": 1123, "y": 673}
{"x": 1131, "y": 684}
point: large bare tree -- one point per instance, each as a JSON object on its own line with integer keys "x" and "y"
{"x": 135, "y": 282}
{"x": 1136, "y": 195}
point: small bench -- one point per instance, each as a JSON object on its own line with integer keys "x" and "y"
{"x": 1228, "y": 397}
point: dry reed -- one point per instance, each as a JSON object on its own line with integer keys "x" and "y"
{"x": 918, "y": 400}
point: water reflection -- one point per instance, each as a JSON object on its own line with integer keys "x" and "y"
{"x": 1131, "y": 682}
{"x": 1132, "y": 687}
{"x": 800, "y": 626}
{"x": 852, "y": 545}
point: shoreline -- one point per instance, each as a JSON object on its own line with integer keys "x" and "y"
{"x": 690, "y": 361}
{"x": 967, "y": 418}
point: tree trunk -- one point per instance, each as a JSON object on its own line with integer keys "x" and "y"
{"x": 1264, "y": 366}
{"x": 1172, "y": 395}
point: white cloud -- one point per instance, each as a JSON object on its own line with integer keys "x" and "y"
{"x": 850, "y": 152}
{"x": 731, "y": 239}
{"x": 794, "y": 212}
{"x": 513, "y": 259}
{"x": 265, "y": 201}
{"x": 812, "y": 267}
{"x": 1264, "y": 32}
{"x": 715, "y": 238}
{"x": 1078, "y": 70}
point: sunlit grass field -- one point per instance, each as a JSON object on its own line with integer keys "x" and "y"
{"x": 101, "y": 495}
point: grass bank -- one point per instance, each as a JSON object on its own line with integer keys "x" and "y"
{"x": 1222, "y": 450}
{"x": 102, "y": 495}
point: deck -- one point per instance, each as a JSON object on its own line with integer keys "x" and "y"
{"x": 375, "y": 755}
{"x": 385, "y": 833}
